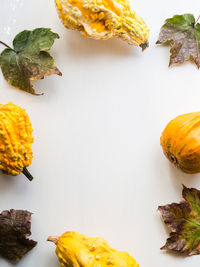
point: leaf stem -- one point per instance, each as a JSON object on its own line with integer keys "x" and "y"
{"x": 197, "y": 19}
{"x": 5, "y": 45}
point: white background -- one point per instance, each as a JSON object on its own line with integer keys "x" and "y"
{"x": 98, "y": 165}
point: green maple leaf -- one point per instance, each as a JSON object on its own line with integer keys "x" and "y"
{"x": 183, "y": 34}
{"x": 14, "y": 229}
{"x": 29, "y": 59}
{"x": 183, "y": 220}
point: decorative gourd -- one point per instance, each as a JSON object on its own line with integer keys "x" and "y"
{"x": 104, "y": 19}
{"x": 77, "y": 250}
{"x": 180, "y": 141}
{"x": 15, "y": 140}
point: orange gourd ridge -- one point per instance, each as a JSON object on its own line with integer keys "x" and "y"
{"x": 180, "y": 141}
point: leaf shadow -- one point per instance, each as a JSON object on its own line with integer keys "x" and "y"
{"x": 175, "y": 254}
{"x": 7, "y": 182}
{"x": 46, "y": 87}
{"x": 80, "y": 46}
{"x": 179, "y": 178}
{"x": 24, "y": 259}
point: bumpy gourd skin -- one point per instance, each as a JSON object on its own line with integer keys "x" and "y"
{"x": 15, "y": 139}
{"x": 104, "y": 19}
{"x": 180, "y": 141}
{"x": 76, "y": 250}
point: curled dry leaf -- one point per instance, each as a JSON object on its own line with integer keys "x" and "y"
{"x": 15, "y": 227}
{"x": 183, "y": 220}
{"x": 182, "y": 32}
{"x": 29, "y": 60}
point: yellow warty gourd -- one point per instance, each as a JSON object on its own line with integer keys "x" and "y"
{"x": 76, "y": 250}
{"x": 104, "y": 19}
{"x": 15, "y": 140}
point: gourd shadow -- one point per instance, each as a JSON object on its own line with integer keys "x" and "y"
{"x": 52, "y": 261}
{"x": 80, "y": 46}
{"x": 7, "y": 182}
{"x": 179, "y": 178}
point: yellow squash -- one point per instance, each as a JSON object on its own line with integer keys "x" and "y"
{"x": 104, "y": 19}
{"x": 15, "y": 140}
{"x": 180, "y": 141}
{"x": 76, "y": 250}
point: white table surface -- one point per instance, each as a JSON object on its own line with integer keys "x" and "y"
{"x": 98, "y": 165}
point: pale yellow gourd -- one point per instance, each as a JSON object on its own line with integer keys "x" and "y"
{"x": 104, "y": 19}
{"x": 76, "y": 250}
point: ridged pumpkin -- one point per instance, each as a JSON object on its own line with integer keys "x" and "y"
{"x": 15, "y": 140}
{"x": 180, "y": 141}
{"x": 76, "y": 250}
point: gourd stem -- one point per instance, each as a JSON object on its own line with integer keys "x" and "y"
{"x": 53, "y": 239}
{"x": 172, "y": 158}
{"x": 27, "y": 174}
{"x": 144, "y": 45}
{"x": 5, "y": 45}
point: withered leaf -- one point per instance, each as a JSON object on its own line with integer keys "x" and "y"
{"x": 15, "y": 227}
{"x": 183, "y": 34}
{"x": 183, "y": 220}
{"x": 29, "y": 60}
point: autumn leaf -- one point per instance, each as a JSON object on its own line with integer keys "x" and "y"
{"x": 14, "y": 229}
{"x": 29, "y": 60}
{"x": 183, "y": 220}
{"x": 182, "y": 32}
